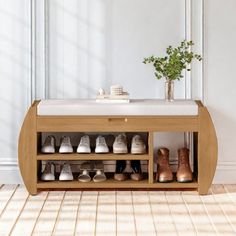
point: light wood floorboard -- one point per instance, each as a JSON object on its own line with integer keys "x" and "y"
{"x": 182, "y": 220}
{"x": 117, "y": 213}
{"x": 49, "y": 214}
{"x": 13, "y": 209}
{"x": 125, "y": 221}
{"x": 86, "y": 215}
{"x": 29, "y": 215}
{"x": 106, "y": 214}
{"x": 143, "y": 214}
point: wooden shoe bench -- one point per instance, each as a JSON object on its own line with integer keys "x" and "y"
{"x": 147, "y": 116}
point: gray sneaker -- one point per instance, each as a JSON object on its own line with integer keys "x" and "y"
{"x": 66, "y": 146}
{"x": 120, "y": 144}
{"x": 49, "y": 145}
{"x": 137, "y": 145}
{"x": 66, "y": 173}
{"x": 101, "y": 145}
{"x": 48, "y": 173}
{"x": 84, "y": 145}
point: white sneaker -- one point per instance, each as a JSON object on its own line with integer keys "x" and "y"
{"x": 66, "y": 173}
{"x": 120, "y": 144}
{"x": 84, "y": 145}
{"x": 101, "y": 145}
{"x": 48, "y": 173}
{"x": 66, "y": 146}
{"x": 138, "y": 146}
{"x": 49, "y": 145}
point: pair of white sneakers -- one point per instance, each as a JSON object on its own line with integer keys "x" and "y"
{"x": 66, "y": 147}
{"x": 49, "y": 172}
{"x": 49, "y": 145}
{"x": 84, "y": 145}
{"x": 120, "y": 146}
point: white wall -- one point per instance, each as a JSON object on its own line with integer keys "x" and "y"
{"x": 14, "y": 81}
{"x": 98, "y": 43}
{"x": 86, "y": 39}
{"x": 220, "y": 81}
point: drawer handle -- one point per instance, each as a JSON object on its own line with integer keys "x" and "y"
{"x": 117, "y": 119}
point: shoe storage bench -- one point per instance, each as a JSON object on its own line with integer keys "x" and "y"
{"x": 138, "y": 116}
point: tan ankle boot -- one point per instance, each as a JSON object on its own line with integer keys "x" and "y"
{"x": 184, "y": 173}
{"x": 164, "y": 173}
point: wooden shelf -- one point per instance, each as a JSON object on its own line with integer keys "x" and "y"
{"x": 204, "y": 143}
{"x": 113, "y": 184}
{"x": 91, "y": 156}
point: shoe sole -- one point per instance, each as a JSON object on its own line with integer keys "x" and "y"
{"x": 83, "y": 152}
{"x": 138, "y": 152}
{"x": 48, "y": 180}
{"x": 62, "y": 179}
{"x": 120, "y": 152}
{"x": 65, "y": 151}
{"x": 165, "y": 181}
{"x": 45, "y": 151}
{"x": 101, "y": 152}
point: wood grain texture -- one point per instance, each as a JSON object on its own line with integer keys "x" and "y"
{"x": 86, "y": 214}
{"x": 6, "y": 193}
{"x": 48, "y": 216}
{"x": 207, "y": 151}
{"x": 29, "y": 215}
{"x": 143, "y": 215}
{"x": 66, "y": 219}
{"x": 216, "y": 215}
{"x": 104, "y": 124}
{"x": 118, "y": 212}
{"x": 151, "y": 159}
{"x": 197, "y": 213}
{"x": 113, "y": 184}
{"x": 27, "y": 150}
{"x": 162, "y": 217}
{"x": 106, "y": 214}
{"x": 92, "y": 156}
{"x": 13, "y": 210}
{"x": 125, "y": 221}
{"x": 180, "y": 214}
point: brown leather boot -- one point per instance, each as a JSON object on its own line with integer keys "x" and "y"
{"x": 184, "y": 173}
{"x": 164, "y": 173}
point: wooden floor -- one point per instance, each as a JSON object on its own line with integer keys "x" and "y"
{"x": 117, "y": 212}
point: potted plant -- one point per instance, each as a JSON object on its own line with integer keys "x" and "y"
{"x": 172, "y": 65}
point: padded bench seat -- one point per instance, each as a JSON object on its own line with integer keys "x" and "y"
{"x": 137, "y": 107}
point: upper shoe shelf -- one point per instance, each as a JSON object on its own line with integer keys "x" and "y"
{"x": 137, "y": 107}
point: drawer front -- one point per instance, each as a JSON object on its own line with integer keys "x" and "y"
{"x": 116, "y": 124}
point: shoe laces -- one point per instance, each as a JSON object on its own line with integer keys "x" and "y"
{"x": 138, "y": 140}
{"x": 100, "y": 140}
{"x": 66, "y": 140}
{"x": 121, "y": 138}
{"x": 49, "y": 140}
{"x": 84, "y": 140}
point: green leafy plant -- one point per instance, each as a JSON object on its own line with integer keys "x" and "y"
{"x": 172, "y": 65}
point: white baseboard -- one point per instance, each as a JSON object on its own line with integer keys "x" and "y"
{"x": 225, "y": 173}
{"x": 10, "y": 173}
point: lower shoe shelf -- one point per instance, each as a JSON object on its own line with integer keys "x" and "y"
{"x": 114, "y": 184}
